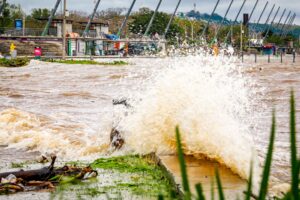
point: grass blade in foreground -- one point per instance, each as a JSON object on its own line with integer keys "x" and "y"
{"x": 220, "y": 189}
{"x": 294, "y": 161}
{"x": 184, "y": 175}
{"x": 200, "y": 192}
{"x": 266, "y": 173}
{"x": 249, "y": 190}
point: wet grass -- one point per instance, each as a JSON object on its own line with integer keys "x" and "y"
{"x": 89, "y": 62}
{"x": 122, "y": 177}
{"x": 146, "y": 176}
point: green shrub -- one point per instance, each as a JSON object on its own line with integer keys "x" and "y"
{"x": 16, "y": 62}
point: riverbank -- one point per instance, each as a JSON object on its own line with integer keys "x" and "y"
{"x": 132, "y": 176}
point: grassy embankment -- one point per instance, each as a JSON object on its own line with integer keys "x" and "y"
{"x": 122, "y": 177}
{"x": 89, "y": 62}
{"x": 21, "y": 62}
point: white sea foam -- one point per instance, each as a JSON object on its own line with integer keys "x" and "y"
{"x": 208, "y": 99}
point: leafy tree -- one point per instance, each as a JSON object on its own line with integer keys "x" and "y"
{"x": 141, "y": 19}
{"x": 40, "y": 13}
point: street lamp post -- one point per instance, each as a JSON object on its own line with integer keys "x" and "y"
{"x": 192, "y": 21}
{"x": 64, "y": 31}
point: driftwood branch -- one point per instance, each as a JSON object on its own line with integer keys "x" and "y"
{"x": 38, "y": 174}
{"x": 40, "y": 178}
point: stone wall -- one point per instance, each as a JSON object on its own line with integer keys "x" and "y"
{"x": 27, "y": 48}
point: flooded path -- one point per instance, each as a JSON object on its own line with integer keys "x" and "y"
{"x": 67, "y": 109}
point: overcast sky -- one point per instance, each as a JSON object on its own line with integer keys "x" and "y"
{"x": 203, "y": 6}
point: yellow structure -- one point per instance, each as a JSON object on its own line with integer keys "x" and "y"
{"x": 215, "y": 50}
{"x": 12, "y": 47}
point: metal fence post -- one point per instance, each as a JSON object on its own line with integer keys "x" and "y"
{"x": 281, "y": 57}
{"x": 255, "y": 57}
{"x": 269, "y": 58}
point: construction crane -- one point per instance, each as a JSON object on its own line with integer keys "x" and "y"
{"x": 45, "y": 32}
{"x": 235, "y": 20}
{"x": 152, "y": 18}
{"x": 125, "y": 19}
{"x": 209, "y": 20}
{"x": 269, "y": 27}
{"x": 87, "y": 28}
{"x": 171, "y": 19}
{"x": 219, "y": 26}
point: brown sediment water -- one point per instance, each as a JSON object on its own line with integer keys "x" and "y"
{"x": 203, "y": 171}
{"x": 219, "y": 106}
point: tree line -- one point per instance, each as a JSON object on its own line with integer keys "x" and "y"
{"x": 183, "y": 28}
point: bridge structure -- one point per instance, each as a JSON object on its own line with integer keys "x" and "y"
{"x": 284, "y": 28}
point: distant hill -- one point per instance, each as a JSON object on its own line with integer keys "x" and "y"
{"x": 216, "y": 18}
{"x": 205, "y": 17}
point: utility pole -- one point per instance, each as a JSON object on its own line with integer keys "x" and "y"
{"x": 87, "y": 28}
{"x": 209, "y": 20}
{"x": 235, "y": 20}
{"x": 126, "y": 18}
{"x": 242, "y": 32}
{"x": 219, "y": 26}
{"x": 64, "y": 31}
{"x": 24, "y": 23}
{"x": 269, "y": 27}
{"x": 152, "y": 18}
{"x": 171, "y": 19}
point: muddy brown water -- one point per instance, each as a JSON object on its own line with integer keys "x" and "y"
{"x": 77, "y": 99}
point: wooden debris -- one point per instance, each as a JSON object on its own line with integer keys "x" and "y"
{"x": 44, "y": 178}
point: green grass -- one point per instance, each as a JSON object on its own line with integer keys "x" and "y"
{"x": 263, "y": 190}
{"x": 147, "y": 177}
{"x": 138, "y": 176}
{"x": 89, "y": 62}
{"x": 16, "y": 62}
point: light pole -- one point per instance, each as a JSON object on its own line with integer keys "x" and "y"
{"x": 64, "y": 31}
{"x": 24, "y": 23}
{"x": 192, "y": 22}
{"x": 242, "y": 32}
